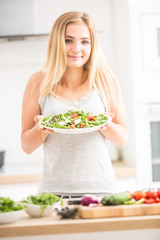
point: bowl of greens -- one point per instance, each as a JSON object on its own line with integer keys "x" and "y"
{"x": 10, "y": 211}
{"x": 42, "y": 205}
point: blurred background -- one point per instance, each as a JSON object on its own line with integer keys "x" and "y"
{"x": 129, "y": 32}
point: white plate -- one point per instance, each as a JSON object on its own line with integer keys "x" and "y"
{"x": 9, "y": 217}
{"x": 37, "y": 211}
{"x": 78, "y": 130}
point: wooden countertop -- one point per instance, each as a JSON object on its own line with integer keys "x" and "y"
{"x": 121, "y": 171}
{"x": 27, "y": 226}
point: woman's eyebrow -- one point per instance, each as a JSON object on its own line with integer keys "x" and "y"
{"x": 67, "y": 36}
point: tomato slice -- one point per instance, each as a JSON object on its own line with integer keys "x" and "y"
{"x": 74, "y": 115}
{"x": 90, "y": 117}
{"x": 83, "y": 125}
{"x": 149, "y": 200}
{"x": 72, "y": 126}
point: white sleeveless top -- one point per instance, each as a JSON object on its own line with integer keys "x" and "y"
{"x": 75, "y": 164}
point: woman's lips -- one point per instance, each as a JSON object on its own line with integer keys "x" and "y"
{"x": 75, "y": 57}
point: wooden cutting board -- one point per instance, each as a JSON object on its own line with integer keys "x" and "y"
{"x": 119, "y": 211}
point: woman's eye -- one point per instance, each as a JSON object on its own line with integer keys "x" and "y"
{"x": 85, "y": 42}
{"x": 68, "y": 41}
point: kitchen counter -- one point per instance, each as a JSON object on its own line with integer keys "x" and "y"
{"x": 52, "y": 225}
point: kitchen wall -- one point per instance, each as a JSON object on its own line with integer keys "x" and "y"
{"x": 19, "y": 58}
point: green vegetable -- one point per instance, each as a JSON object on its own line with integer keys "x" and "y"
{"x": 132, "y": 201}
{"x": 105, "y": 199}
{"x": 140, "y": 201}
{"x": 119, "y": 198}
{"x": 8, "y": 205}
{"x": 43, "y": 199}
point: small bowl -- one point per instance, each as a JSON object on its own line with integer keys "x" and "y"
{"x": 38, "y": 211}
{"x": 9, "y": 217}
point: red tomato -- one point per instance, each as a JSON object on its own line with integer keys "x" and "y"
{"x": 72, "y": 126}
{"x": 90, "y": 117}
{"x": 149, "y": 200}
{"x": 157, "y": 200}
{"x": 74, "y": 115}
{"x": 153, "y": 195}
{"x": 83, "y": 125}
{"x": 158, "y": 192}
{"x": 137, "y": 195}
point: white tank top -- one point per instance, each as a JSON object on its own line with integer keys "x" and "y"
{"x": 75, "y": 164}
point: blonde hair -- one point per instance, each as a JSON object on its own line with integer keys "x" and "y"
{"x": 99, "y": 74}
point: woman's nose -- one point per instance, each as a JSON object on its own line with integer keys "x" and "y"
{"x": 76, "y": 48}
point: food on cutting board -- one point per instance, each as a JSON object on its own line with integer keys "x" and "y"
{"x": 126, "y": 198}
{"x": 74, "y": 119}
{"x": 149, "y": 195}
{"x": 89, "y": 200}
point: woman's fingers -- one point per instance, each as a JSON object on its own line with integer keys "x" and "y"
{"x": 109, "y": 113}
{"x": 37, "y": 118}
{"x": 103, "y": 128}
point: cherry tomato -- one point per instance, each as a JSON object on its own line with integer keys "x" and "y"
{"x": 138, "y": 195}
{"x": 158, "y": 192}
{"x": 72, "y": 126}
{"x": 83, "y": 125}
{"x": 149, "y": 200}
{"x": 90, "y": 117}
{"x": 74, "y": 115}
{"x": 153, "y": 195}
{"x": 157, "y": 200}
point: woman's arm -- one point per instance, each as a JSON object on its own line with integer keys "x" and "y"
{"x": 116, "y": 132}
{"x": 31, "y": 136}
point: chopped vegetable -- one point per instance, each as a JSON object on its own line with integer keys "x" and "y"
{"x": 132, "y": 201}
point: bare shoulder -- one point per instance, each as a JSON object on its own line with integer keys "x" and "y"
{"x": 36, "y": 78}
{"x": 34, "y": 82}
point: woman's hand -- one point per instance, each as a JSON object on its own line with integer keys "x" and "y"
{"x": 37, "y": 118}
{"x": 44, "y": 131}
{"x": 105, "y": 126}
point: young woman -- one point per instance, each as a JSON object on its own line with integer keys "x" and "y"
{"x": 75, "y": 75}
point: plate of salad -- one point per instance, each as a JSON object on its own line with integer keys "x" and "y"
{"x": 75, "y": 122}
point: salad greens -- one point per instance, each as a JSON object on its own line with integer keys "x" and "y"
{"x": 74, "y": 119}
{"x": 43, "y": 199}
{"x": 8, "y": 205}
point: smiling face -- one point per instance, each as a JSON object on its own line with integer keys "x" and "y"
{"x": 78, "y": 44}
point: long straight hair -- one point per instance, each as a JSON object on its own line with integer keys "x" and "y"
{"x": 99, "y": 75}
